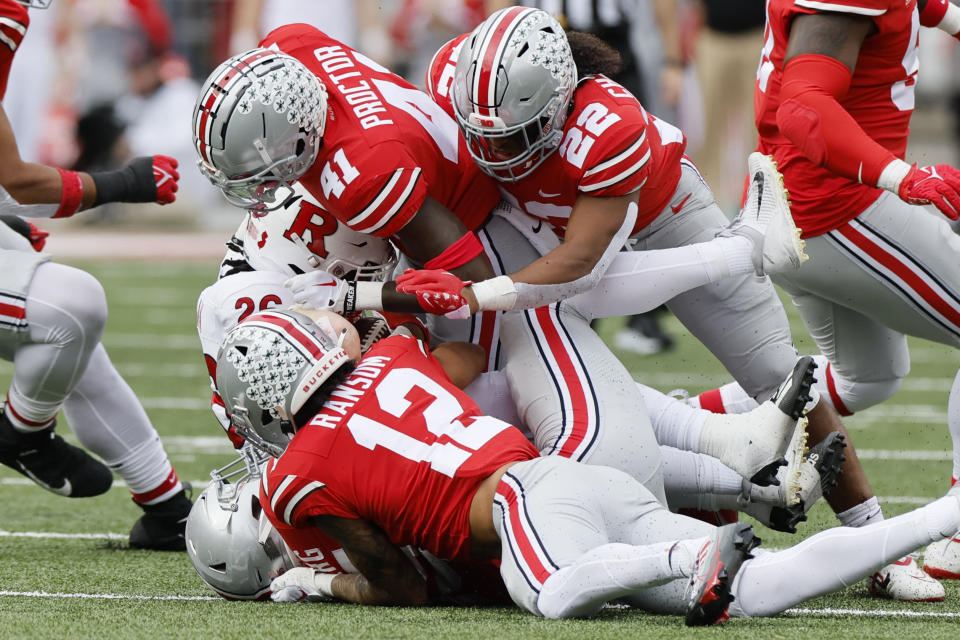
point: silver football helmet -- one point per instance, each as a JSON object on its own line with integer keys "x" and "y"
{"x": 268, "y": 367}
{"x": 257, "y": 126}
{"x": 512, "y": 87}
{"x": 301, "y": 236}
{"x": 35, "y": 4}
{"x": 233, "y": 547}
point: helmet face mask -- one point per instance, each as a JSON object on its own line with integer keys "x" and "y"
{"x": 269, "y": 365}
{"x": 233, "y": 547}
{"x": 258, "y": 125}
{"x": 513, "y": 83}
{"x": 35, "y": 4}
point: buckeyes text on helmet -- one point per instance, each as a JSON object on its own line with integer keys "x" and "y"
{"x": 257, "y": 126}
{"x": 514, "y": 80}
{"x": 268, "y": 366}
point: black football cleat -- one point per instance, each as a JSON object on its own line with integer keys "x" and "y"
{"x": 708, "y": 594}
{"x": 52, "y": 463}
{"x": 162, "y": 525}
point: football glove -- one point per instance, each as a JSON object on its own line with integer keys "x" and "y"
{"x": 145, "y": 179}
{"x": 938, "y": 185}
{"x": 318, "y": 290}
{"x": 437, "y": 291}
{"x": 301, "y": 584}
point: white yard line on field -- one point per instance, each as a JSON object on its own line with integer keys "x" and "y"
{"x": 866, "y": 613}
{"x": 101, "y": 596}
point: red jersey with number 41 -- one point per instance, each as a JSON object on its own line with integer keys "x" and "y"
{"x": 611, "y": 146}
{"x": 880, "y": 99}
{"x": 396, "y": 444}
{"x": 386, "y": 147}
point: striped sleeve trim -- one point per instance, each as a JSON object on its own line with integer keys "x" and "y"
{"x": 619, "y": 177}
{"x": 289, "y": 494}
{"x": 11, "y": 32}
{"x": 391, "y": 199}
{"x": 13, "y": 311}
{"x": 838, "y": 8}
{"x": 620, "y": 157}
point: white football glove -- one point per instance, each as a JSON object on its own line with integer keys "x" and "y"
{"x": 318, "y": 290}
{"x": 302, "y": 584}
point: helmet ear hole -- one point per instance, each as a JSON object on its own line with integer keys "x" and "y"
{"x": 301, "y": 145}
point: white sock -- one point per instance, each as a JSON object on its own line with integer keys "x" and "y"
{"x": 730, "y": 398}
{"x": 675, "y": 423}
{"x": 738, "y": 253}
{"x": 867, "y": 512}
{"x": 697, "y": 481}
{"x": 611, "y": 571}
{"x": 837, "y": 558}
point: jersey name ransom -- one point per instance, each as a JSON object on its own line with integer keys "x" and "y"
{"x": 365, "y": 101}
{"x": 344, "y": 397}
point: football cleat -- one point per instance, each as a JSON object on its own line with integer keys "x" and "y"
{"x": 766, "y": 220}
{"x": 904, "y": 580}
{"x": 754, "y": 443}
{"x": 52, "y": 463}
{"x": 162, "y": 525}
{"x": 941, "y": 560}
{"x": 708, "y": 593}
{"x": 782, "y": 507}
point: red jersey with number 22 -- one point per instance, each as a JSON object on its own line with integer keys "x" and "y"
{"x": 611, "y": 146}
{"x": 386, "y": 147}
{"x": 880, "y": 99}
{"x": 398, "y": 445}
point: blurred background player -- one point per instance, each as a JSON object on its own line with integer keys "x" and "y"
{"x": 52, "y": 319}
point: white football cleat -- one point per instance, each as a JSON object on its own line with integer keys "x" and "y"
{"x": 904, "y": 580}
{"x": 754, "y": 443}
{"x": 942, "y": 559}
{"x": 766, "y": 220}
{"x": 801, "y": 484}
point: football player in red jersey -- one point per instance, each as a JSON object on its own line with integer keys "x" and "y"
{"x": 834, "y": 97}
{"x": 51, "y": 320}
{"x": 384, "y": 159}
{"x": 577, "y": 155}
{"x": 386, "y": 450}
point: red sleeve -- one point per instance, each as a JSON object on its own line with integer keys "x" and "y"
{"x": 14, "y": 21}
{"x": 811, "y": 116}
{"x": 293, "y": 499}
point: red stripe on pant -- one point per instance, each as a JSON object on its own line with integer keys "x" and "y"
{"x": 835, "y": 395}
{"x": 532, "y": 567}
{"x": 904, "y": 272}
{"x": 577, "y": 414}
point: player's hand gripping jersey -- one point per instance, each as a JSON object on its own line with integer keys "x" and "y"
{"x": 386, "y": 146}
{"x": 611, "y": 147}
{"x": 880, "y": 99}
{"x": 396, "y": 444}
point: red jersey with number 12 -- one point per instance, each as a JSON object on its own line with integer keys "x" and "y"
{"x": 880, "y": 99}
{"x": 386, "y": 147}
{"x": 611, "y": 146}
{"x": 396, "y": 444}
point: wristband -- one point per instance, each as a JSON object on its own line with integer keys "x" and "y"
{"x": 323, "y": 582}
{"x": 457, "y": 254}
{"x": 892, "y": 175}
{"x": 363, "y": 295}
{"x": 131, "y": 183}
{"x": 71, "y": 195}
{"x": 941, "y": 14}
{"x": 495, "y": 294}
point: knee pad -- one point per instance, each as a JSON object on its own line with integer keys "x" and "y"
{"x": 67, "y": 299}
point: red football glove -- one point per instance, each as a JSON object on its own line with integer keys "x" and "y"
{"x": 395, "y": 320}
{"x": 437, "y": 291}
{"x": 938, "y": 185}
{"x": 165, "y": 176}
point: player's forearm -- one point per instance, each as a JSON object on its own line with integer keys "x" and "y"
{"x": 31, "y": 183}
{"x": 812, "y": 118}
{"x": 355, "y": 588}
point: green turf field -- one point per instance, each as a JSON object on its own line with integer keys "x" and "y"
{"x": 65, "y": 571}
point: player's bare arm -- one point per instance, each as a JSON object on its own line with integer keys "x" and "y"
{"x": 593, "y": 223}
{"x": 31, "y": 183}
{"x": 386, "y": 575}
{"x": 462, "y": 361}
{"x": 829, "y": 34}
